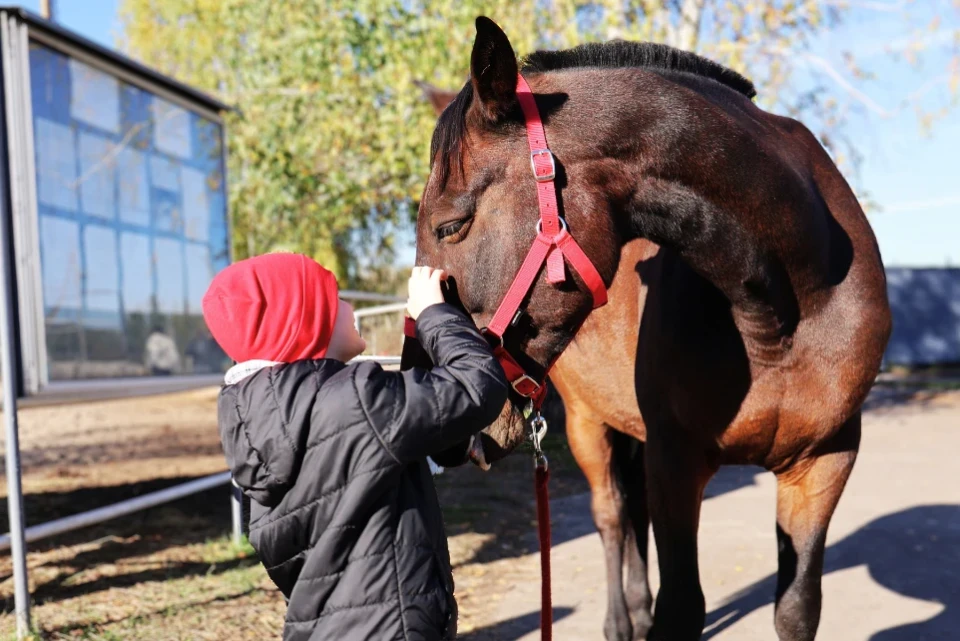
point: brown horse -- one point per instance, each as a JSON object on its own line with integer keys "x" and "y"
{"x": 752, "y": 334}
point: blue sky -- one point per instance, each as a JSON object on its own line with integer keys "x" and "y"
{"x": 915, "y": 179}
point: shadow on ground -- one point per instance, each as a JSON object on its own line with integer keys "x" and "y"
{"x": 915, "y": 553}
{"x": 500, "y": 503}
{"x": 890, "y": 396}
{"x": 513, "y": 628}
{"x": 175, "y": 444}
{"x": 195, "y": 519}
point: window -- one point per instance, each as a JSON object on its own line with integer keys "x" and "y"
{"x": 132, "y": 224}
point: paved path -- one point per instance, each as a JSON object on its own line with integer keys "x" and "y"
{"x": 892, "y": 566}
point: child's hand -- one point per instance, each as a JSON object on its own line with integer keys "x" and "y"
{"x": 424, "y": 289}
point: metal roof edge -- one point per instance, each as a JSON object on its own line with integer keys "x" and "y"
{"x": 36, "y": 22}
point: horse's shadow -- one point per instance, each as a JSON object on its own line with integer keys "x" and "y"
{"x": 513, "y": 628}
{"x": 915, "y": 552}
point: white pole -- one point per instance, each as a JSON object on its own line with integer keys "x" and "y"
{"x": 236, "y": 512}
{"x": 108, "y": 512}
{"x": 9, "y": 373}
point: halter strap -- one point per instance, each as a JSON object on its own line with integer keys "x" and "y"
{"x": 552, "y": 246}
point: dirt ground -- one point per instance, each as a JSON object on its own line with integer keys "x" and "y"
{"x": 891, "y": 567}
{"x": 170, "y": 573}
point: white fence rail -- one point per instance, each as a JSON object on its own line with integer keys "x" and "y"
{"x": 368, "y": 297}
{"x": 110, "y": 512}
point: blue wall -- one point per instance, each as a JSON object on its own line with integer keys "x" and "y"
{"x": 926, "y": 316}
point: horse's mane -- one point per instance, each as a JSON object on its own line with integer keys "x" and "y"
{"x": 450, "y": 134}
{"x": 619, "y": 54}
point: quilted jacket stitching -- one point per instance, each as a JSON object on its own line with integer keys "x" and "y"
{"x": 366, "y": 414}
{"x": 322, "y": 497}
{"x": 283, "y": 422}
{"x": 246, "y": 435}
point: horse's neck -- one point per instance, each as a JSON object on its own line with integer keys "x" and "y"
{"x": 720, "y": 249}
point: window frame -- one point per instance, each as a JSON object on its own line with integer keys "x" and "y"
{"x": 18, "y": 30}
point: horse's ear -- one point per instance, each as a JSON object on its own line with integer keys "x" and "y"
{"x": 438, "y": 98}
{"x": 493, "y": 70}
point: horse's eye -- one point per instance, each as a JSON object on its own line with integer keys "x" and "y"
{"x": 449, "y": 230}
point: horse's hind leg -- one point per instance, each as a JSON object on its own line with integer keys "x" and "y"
{"x": 807, "y": 495}
{"x": 677, "y": 473}
{"x": 590, "y": 442}
{"x": 629, "y": 453}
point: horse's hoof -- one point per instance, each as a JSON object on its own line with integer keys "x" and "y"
{"x": 641, "y": 626}
{"x": 618, "y": 630}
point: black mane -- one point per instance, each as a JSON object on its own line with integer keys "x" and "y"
{"x": 450, "y": 134}
{"x": 619, "y": 54}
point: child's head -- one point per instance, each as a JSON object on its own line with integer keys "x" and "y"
{"x": 280, "y": 307}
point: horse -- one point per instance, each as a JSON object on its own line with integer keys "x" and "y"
{"x": 600, "y": 408}
{"x": 748, "y": 312}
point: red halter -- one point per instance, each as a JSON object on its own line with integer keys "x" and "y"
{"x": 552, "y": 246}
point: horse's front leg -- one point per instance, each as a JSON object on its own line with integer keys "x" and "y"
{"x": 677, "y": 472}
{"x": 590, "y": 442}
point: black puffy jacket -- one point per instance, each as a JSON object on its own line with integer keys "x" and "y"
{"x": 344, "y": 514}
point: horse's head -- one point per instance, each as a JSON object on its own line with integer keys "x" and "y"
{"x": 479, "y": 210}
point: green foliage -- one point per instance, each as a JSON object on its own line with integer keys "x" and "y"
{"x": 328, "y": 146}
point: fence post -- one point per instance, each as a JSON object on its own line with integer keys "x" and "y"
{"x": 9, "y": 366}
{"x": 236, "y": 512}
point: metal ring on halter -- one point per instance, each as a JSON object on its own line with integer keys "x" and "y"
{"x": 486, "y": 332}
{"x": 539, "y": 226}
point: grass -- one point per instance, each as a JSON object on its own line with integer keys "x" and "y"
{"x": 171, "y": 573}
{"x": 156, "y": 586}
{"x": 225, "y": 549}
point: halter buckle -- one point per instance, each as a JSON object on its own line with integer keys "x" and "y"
{"x": 525, "y": 386}
{"x": 542, "y": 178}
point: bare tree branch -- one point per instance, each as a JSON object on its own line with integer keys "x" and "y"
{"x": 824, "y": 65}
{"x": 874, "y": 5}
{"x": 688, "y": 32}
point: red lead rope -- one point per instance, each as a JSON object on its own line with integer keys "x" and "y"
{"x": 541, "y": 478}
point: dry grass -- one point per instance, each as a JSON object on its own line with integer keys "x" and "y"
{"x": 169, "y": 573}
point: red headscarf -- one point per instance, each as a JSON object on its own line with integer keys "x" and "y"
{"x": 277, "y": 307}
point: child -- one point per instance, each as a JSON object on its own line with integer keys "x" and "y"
{"x": 344, "y": 515}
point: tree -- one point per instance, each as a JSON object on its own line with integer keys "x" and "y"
{"x": 328, "y": 146}
{"x": 772, "y": 43}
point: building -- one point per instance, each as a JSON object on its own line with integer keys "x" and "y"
{"x": 116, "y": 186}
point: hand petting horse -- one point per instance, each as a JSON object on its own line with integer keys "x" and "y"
{"x": 747, "y": 312}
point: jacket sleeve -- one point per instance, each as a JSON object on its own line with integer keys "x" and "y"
{"x": 421, "y": 411}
